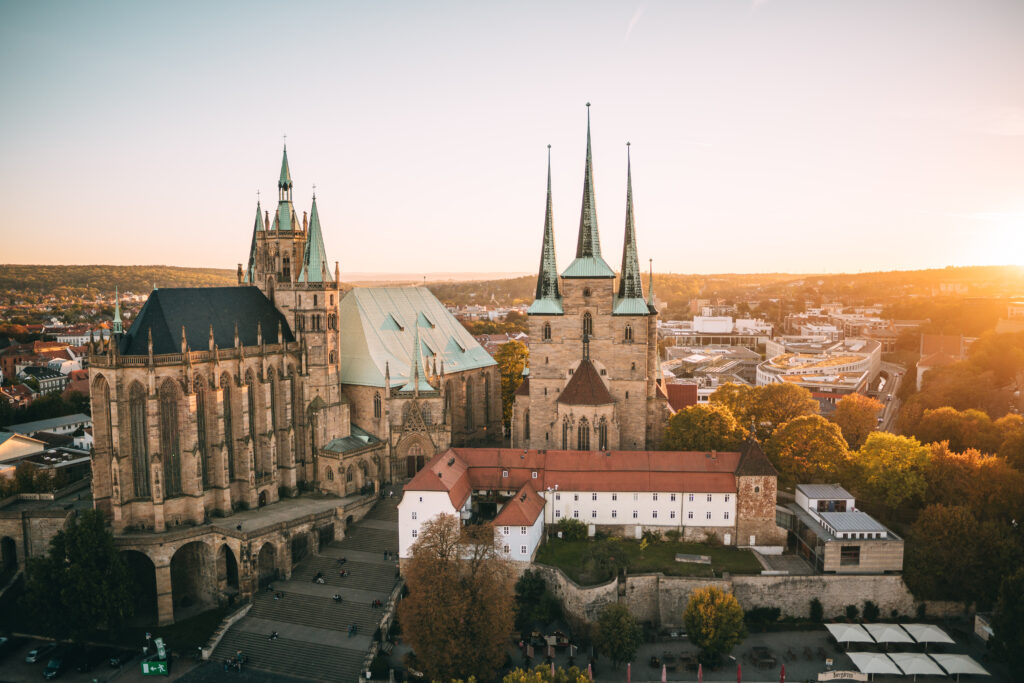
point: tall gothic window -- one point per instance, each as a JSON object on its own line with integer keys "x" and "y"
{"x": 140, "y": 441}
{"x": 487, "y": 400}
{"x": 229, "y": 432}
{"x": 628, "y": 334}
{"x": 425, "y": 412}
{"x": 565, "y": 434}
{"x": 448, "y": 401}
{"x": 250, "y": 383}
{"x": 273, "y": 400}
{"x": 202, "y": 442}
{"x": 102, "y": 436}
{"x": 546, "y": 335}
{"x": 602, "y": 435}
{"x": 470, "y": 408}
{"x": 583, "y": 435}
{"x": 526, "y": 426}
{"x": 376, "y": 406}
{"x": 170, "y": 445}
{"x": 588, "y": 324}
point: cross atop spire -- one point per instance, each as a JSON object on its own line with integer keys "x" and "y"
{"x": 630, "y": 284}
{"x": 588, "y": 261}
{"x": 548, "y": 295}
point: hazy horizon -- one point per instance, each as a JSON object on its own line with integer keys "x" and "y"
{"x": 785, "y": 136}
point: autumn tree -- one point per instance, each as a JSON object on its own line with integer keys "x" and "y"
{"x": 535, "y": 603}
{"x": 542, "y": 674}
{"x": 735, "y": 397}
{"x": 714, "y": 622}
{"x": 890, "y": 469}
{"x": 460, "y": 610}
{"x": 82, "y": 584}
{"x": 808, "y": 448}
{"x": 765, "y": 407}
{"x": 952, "y": 556}
{"x": 512, "y": 358}
{"x": 703, "y": 427}
{"x": 986, "y": 484}
{"x": 857, "y": 416}
{"x": 960, "y": 429}
{"x": 1008, "y": 623}
{"x": 618, "y": 634}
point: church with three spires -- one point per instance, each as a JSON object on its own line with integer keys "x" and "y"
{"x": 594, "y": 378}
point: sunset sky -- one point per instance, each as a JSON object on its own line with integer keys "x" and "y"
{"x": 774, "y": 135}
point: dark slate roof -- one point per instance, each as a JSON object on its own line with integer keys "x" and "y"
{"x": 753, "y": 461}
{"x": 524, "y": 388}
{"x": 585, "y": 388}
{"x": 197, "y": 308}
{"x": 360, "y": 438}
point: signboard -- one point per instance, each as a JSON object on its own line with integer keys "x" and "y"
{"x": 842, "y": 676}
{"x": 155, "y": 668}
{"x": 160, "y": 651}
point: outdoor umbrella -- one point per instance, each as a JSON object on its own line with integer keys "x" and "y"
{"x": 887, "y": 633}
{"x": 872, "y": 663}
{"x": 700, "y": 673}
{"x": 782, "y": 674}
{"x": 927, "y": 633}
{"x": 739, "y": 673}
{"x": 959, "y": 664}
{"x": 590, "y": 671}
{"x": 849, "y": 633}
{"x": 914, "y": 663}
{"x": 664, "y": 674}
{"x": 553, "y": 671}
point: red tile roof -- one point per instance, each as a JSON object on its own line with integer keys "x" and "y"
{"x": 443, "y": 473}
{"x": 936, "y": 359}
{"x": 585, "y": 388}
{"x": 682, "y": 395}
{"x": 523, "y": 509}
{"x": 943, "y": 343}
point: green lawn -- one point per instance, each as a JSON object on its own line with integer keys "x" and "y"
{"x": 591, "y": 562}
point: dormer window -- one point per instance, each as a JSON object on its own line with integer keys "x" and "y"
{"x": 504, "y": 474}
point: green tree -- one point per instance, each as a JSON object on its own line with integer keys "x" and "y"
{"x": 618, "y": 633}
{"x": 460, "y": 610}
{"x": 542, "y": 674}
{"x": 1008, "y": 623}
{"x": 714, "y": 622}
{"x": 808, "y": 448}
{"x": 857, "y": 416}
{"x": 890, "y": 469}
{"x": 81, "y": 585}
{"x": 703, "y": 427}
{"x": 512, "y": 358}
{"x": 735, "y": 397}
{"x": 535, "y": 604}
{"x": 775, "y": 404}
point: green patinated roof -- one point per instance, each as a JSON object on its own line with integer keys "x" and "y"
{"x": 417, "y": 382}
{"x": 545, "y": 307}
{"x": 285, "y": 181}
{"x": 630, "y": 306}
{"x": 380, "y": 324}
{"x": 314, "y": 259}
{"x": 588, "y": 261}
{"x": 547, "y": 276}
{"x": 359, "y": 438}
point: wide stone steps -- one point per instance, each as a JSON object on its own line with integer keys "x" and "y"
{"x": 369, "y": 540}
{"x": 360, "y": 575}
{"x": 317, "y": 612}
{"x": 295, "y": 658}
{"x": 384, "y": 511}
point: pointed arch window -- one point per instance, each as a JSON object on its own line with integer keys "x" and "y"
{"x": 583, "y": 435}
{"x": 546, "y": 334}
{"x": 250, "y": 383}
{"x": 273, "y": 400}
{"x": 170, "y": 445}
{"x": 602, "y": 435}
{"x": 526, "y": 426}
{"x": 588, "y": 324}
{"x": 470, "y": 408}
{"x": 140, "y": 442}
{"x": 202, "y": 442}
{"x": 627, "y": 335}
{"x": 376, "y": 406}
{"x": 487, "y": 400}
{"x": 229, "y": 432}
{"x": 565, "y": 434}
{"x": 448, "y": 402}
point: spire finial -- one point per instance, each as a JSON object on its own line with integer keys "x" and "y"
{"x": 118, "y": 326}
{"x": 314, "y": 191}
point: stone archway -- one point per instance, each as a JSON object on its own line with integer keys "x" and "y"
{"x": 227, "y": 570}
{"x": 267, "y": 564}
{"x": 192, "y": 579}
{"x": 143, "y": 575}
{"x": 301, "y": 547}
{"x": 8, "y": 558}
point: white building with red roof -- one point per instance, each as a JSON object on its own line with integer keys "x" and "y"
{"x": 730, "y": 495}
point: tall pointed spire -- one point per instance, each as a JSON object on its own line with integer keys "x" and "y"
{"x": 630, "y": 284}
{"x": 314, "y": 258}
{"x": 117, "y": 327}
{"x": 250, "y": 270}
{"x": 588, "y": 261}
{"x": 285, "y": 181}
{"x": 547, "y": 278}
{"x": 417, "y": 382}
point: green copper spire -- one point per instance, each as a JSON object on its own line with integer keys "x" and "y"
{"x": 630, "y": 284}
{"x": 314, "y": 259}
{"x": 250, "y": 270}
{"x": 118, "y": 326}
{"x": 285, "y": 181}
{"x": 588, "y": 261}
{"x": 547, "y": 278}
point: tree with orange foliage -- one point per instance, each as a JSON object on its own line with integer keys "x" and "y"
{"x": 808, "y": 448}
{"x": 460, "y": 611}
{"x": 857, "y": 416}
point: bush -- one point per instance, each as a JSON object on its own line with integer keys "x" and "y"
{"x": 871, "y": 610}
{"x": 674, "y": 535}
{"x": 760, "y": 618}
{"x": 712, "y": 540}
{"x": 651, "y": 537}
{"x": 571, "y": 529}
{"x": 851, "y": 612}
{"x": 921, "y": 610}
{"x": 817, "y": 611}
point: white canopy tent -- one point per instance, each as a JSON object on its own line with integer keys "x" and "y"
{"x": 874, "y": 663}
{"x": 888, "y": 633}
{"x": 959, "y": 664}
{"x": 927, "y": 633}
{"x": 849, "y": 633}
{"x": 914, "y": 663}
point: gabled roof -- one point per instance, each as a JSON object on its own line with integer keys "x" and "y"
{"x": 197, "y": 308}
{"x": 379, "y": 329}
{"x": 585, "y": 388}
{"x": 523, "y": 510}
{"x": 357, "y": 439}
{"x": 444, "y": 472}
{"x": 753, "y": 461}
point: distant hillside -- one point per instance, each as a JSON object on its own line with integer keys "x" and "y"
{"x": 92, "y": 280}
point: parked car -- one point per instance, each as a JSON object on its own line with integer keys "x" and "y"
{"x": 54, "y": 667}
{"x": 40, "y": 653}
{"x": 9, "y": 644}
{"x": 122, "y": 657}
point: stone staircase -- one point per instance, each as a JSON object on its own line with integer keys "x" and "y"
{"x": 313, "y": 641}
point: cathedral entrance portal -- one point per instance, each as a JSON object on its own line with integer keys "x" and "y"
{"x": 414, "y": 460}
